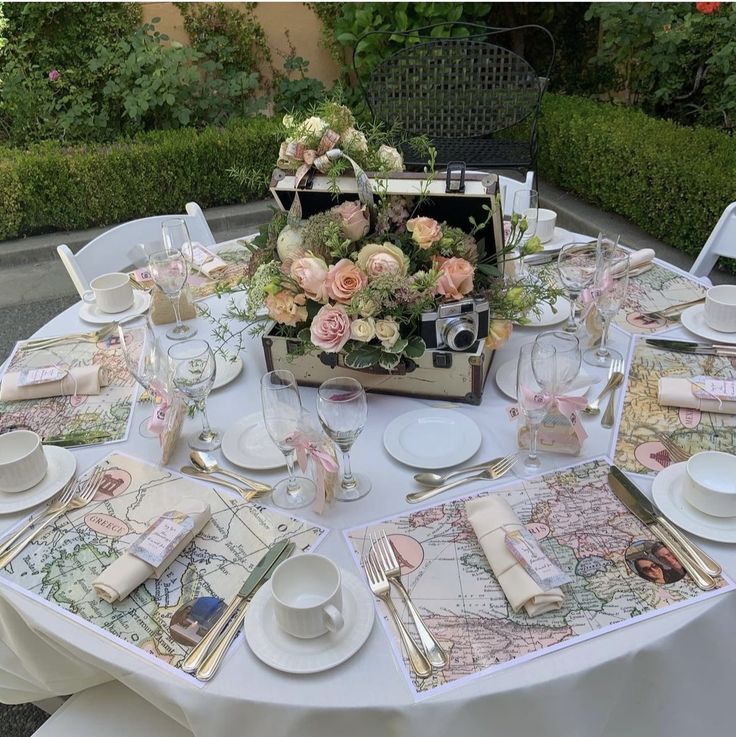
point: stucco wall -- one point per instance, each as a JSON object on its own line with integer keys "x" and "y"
{"x": 276, "y": 17}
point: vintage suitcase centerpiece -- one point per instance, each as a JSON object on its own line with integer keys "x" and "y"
{"x": 394, "y": 278}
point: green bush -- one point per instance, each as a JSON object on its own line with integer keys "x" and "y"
{"x": 49, "y": 187}
{"x": 670, "y": 180}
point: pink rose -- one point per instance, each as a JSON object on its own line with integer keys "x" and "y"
{"x": 377, "y": 259}
{"x": 456, "y": 277}
{"x": 424, "y": 231}
{"x": 310, "y": 273}
{"x": 54, "y": 75}
{"x": 286, "y": 307}
{"x": 330, "y": 328}
{"x": 354, "y": 220}
{"x": 344, "y": 279}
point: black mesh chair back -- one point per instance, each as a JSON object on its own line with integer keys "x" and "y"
{"x": 460, "y": 92}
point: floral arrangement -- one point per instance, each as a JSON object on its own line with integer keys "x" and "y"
{"x": 351, "y": 281}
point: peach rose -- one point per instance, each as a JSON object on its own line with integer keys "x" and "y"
{"x": 310, "y": 273}
{"x": 424, "y": 231}
{"x": 344, "y": 279}
{"x": 499, "y": 331}
{"x": 354, "y": 219}
{"x": 286, "y": 307}
{"x": 330, "y": 328}
{"x": 456, "y": 277}
{"x": 377, "y": 259}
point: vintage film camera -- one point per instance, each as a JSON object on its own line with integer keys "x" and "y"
{"x": 456, "y": 325}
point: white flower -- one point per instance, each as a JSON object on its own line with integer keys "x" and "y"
{"x": 288, "y": 121}
{"x": 387, "y": 331}
{"x": 355, "y": 140}
{"x": 314, "y": 126}
{"x": 363, "y": 330}
{"x": 390, "y": 158}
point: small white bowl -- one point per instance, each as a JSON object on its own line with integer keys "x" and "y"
{"x": 720, "y": 308}
{"x": 546, "y": 221}
{"x": 712, "y": 487}
{"x": 22, "y": 461}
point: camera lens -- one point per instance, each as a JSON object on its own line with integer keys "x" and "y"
{"x": 460, "y": 334}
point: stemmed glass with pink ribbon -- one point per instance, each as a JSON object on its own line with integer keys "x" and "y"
{"x": 576, "y": 264}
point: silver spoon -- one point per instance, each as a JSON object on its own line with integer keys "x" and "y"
{"x": 435, "y": 479}
{"x": 205, "y": 462}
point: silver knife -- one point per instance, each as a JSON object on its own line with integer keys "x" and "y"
{"x": 257, "y": 575}
{"x": 698, "y": 565}
{"x": 687, "y": 346}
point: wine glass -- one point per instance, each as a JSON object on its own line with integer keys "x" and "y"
{"x": 169, "y": 271}
{"x": 284, "y": 416}
{"x": 342, "y": 410}
{"x": 536, "y": 370}
{"x": 150, "y": 369}
{"x": 175, "y": 237}
{"x": 526, "y": 205}
{"x": 610, "y": 285}
{"x": 568, "y": 358}
{"x": 193, "y": 370}
{"x": 576, "y": 264}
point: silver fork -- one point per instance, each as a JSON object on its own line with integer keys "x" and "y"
{"x": 86, "y": 490}
{"x": 617, "y": 376}
{"x": 594, "y": 407}
{"x": 676, "y": 453}
{"x": 381, "y": 589}
{"x": 493, "y": 472}
{"x": 384, "y": 554}
{"x": 57, "y": 503}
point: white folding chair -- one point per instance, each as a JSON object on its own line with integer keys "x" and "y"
{"x": 109, "y": 710}
{"x": 128, "y": 245}
{"x": 509, "y": 187}
{"x": 721, "y": 242}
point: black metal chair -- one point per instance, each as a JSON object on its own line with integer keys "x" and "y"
{"x": 461, "y": 93}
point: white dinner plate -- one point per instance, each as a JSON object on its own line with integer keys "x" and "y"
{"x": 668, "y": 491}
{"x": 61, "y": 467}
{"x": 506, "y": 380}
{"x": 432, "y": 438}
{"x": 247, "y": 444}
{"x": 227, "y": 370}
{"x": 91, "y": 313}
{"x": 693, "y": 319}
{"x": 290, "y": 654}
{"x": 546, "y": 316}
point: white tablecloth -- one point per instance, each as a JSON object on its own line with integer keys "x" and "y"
{"x": 670, "y": 675}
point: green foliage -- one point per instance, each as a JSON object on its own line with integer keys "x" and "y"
{"x": 50, "y": 187}
{"x": 670, "y": 180}
{"x": 295, "y": 91}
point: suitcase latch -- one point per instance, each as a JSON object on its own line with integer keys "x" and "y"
{"x": 455, "y": 178}
{"x": 442, "y": 360}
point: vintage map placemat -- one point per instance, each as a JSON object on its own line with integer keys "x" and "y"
{"x": 160, "y": 617}
{"x": 84, "y": 419}
{"x": 581, "y": 526}
{"x": 642, "y": 418}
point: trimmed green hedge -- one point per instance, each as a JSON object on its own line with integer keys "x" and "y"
{"x": 672, "y": 181}
{"x": 49, "y": 187}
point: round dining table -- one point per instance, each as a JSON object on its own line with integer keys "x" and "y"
{"x": 666, "y": 675}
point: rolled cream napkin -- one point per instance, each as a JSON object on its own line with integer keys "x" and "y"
{"x": 637, "y": 259}
{"x": 698, "y": 393}
{"x": 207, "y": 262}
{"x": 79, "y": 380}
{"x": 129, "y": 571}
{"x": 491, "y": 518}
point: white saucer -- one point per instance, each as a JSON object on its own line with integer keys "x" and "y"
{"x": 247, "y": 444}
{"x": 693, "y": 318}
{"x": 432, "y": 438}
{"x": 91, "y": 313}
{"x": 668, "y": 491}
{"x": 227, "y": 370}
{"x": 506, "y": 381}
{"x": 547, "y": 316}
{"x": 559, "y": 239}
{"x": 62, "y": 465}
{"x": 290, "y": 654}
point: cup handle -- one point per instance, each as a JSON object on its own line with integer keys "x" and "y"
{"x": 89, "y": 297}
{"x": 333, "y": 618}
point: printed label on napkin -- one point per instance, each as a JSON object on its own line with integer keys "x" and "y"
{"x": 42, "y": 375}
{"x": 708, "y": 387}
{"x": 162, "y": 538}
{"x": 526, "y": 550}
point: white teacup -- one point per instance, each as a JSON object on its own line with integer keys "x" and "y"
{"x": 712, "y": 487}
{"x": 110, "y": 292}
{"x": 22, "y": 461}
{"x": 720, "y": 308}
{"x": 307, "y": 596}
{"x": 546, "y": 221}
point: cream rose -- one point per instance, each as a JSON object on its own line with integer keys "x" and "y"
{"x": 378, "y": 259}
{"x": 363, "y": 329}
{"x": 390, "y": 158}
{"x": 499, "y": 331}
{"x": 330, "y": 328}
{"x": 314, "y": 126}
{"x": 354, "y": 219}
{"x": 287, "y": 121}
{"x": 456, "y": 277}
{"x": 424, "y": 231}
{"x": 387, "y": 331}
{"x": 310, "y": 273}
{"x": 286, "y": 307}
{"x": 344, "y": 279}
{"x": 355, "y": 140}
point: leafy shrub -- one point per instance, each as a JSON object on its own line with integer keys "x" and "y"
{"x": 50, "y": 187}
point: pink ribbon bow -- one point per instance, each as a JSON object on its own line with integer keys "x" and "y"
{"x": 306, "y": 447}
{"x": 157, "y": 423}
{"x": 568, "y": 407}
